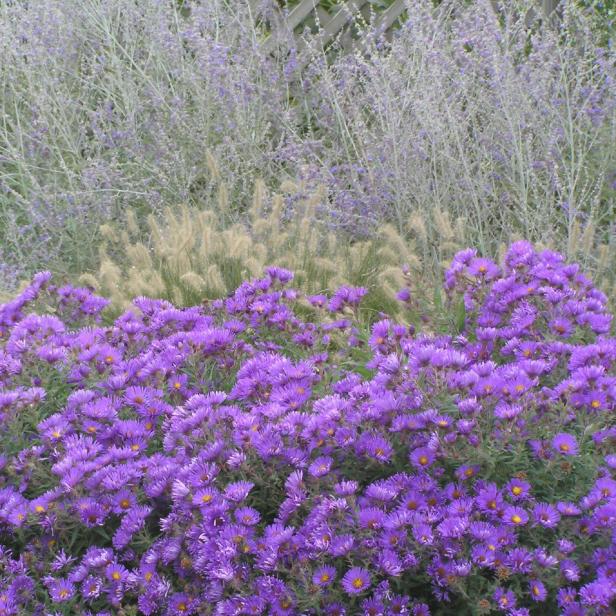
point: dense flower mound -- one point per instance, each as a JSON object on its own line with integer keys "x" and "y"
{"x": 264, "y": 454}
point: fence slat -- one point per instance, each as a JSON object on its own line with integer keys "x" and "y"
{"x": 295, "y": 18}
{"x": 339, "y": 20}
{"x": 323, "y": 15}
{"x": 386, "y": 20}
{"x": 300, "y": 12}
{"x": 333, "y": 25}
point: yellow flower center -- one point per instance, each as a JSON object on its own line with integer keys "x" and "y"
{"x": 516, "y": 519}
{"x": 358, "y": 583}
{"x": 517, "y": 490}
{"x": 423, "y": 460}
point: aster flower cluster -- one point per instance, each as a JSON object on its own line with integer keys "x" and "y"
{"x": 265, "y": 454}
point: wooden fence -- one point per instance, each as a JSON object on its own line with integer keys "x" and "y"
{"x": 338, "y": 23}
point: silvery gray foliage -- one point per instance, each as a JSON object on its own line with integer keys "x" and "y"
{"x": 110, "y": 105}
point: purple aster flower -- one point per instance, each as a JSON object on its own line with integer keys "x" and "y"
{"x": 610, "y": 460}
{"x": 452, "y": 528}
{"x": 505, "y": 599}
{"x": 561, "y": 327}
{"x": 278, "y": 273}
{"x": 467, "y": 471}
{"x": 180, "y": 604}
{"x": 91, "y": 587}
{"x": 538, "y": 591}
{"x": 566, "y": 546}
{"x": 373, "y": 607}
{"x": 423, "y": 534}
{"x": 419, "y": 609}
{"x": 379, "y": 448}
{"x": 335, "y": 609}
{"x": 598, "y": 594}
{"x": 247, "y": 516}
{"x": 483, "y": 556}
{"x": 60, "y": 590}
{"x": 389, "y": 562}
{"x": 346, "y": 488}
{"x": 371, "y": 517}
{"x": 356, "y": 580}
{"x": 321, "y": 466}
{"x": 515, "y": 516}
{"x": 116, "y": 573}
{"x": 131, "y": 523}
{"x": 489, "y": 498}
{"x": 566, "y": 596}
{"x": 317, "y": 300}
{"x": 545, "y": 515}
{"x": 324, "y": 576}
{"x": 346, "y": 296}
{"x": 422, "y": 457}
{"x": 565, "y": 444}
{"x": 504, "y": 410}
{"x": 518, "y": 488}
{"x": 403, "y": 295}
{"x": 341, "y": 545}
{"x": 570, "y": 570}
{"x": 519, "y": 560}
{"x": 568, "y": 509}
{"x": 238, "y": 490}
{"x": 606, "y": 487}
{"x": 483, "y": 268}
{"x": 544, "y": 559}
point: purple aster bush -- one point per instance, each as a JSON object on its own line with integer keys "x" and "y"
{"x": 218, "y": 460}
